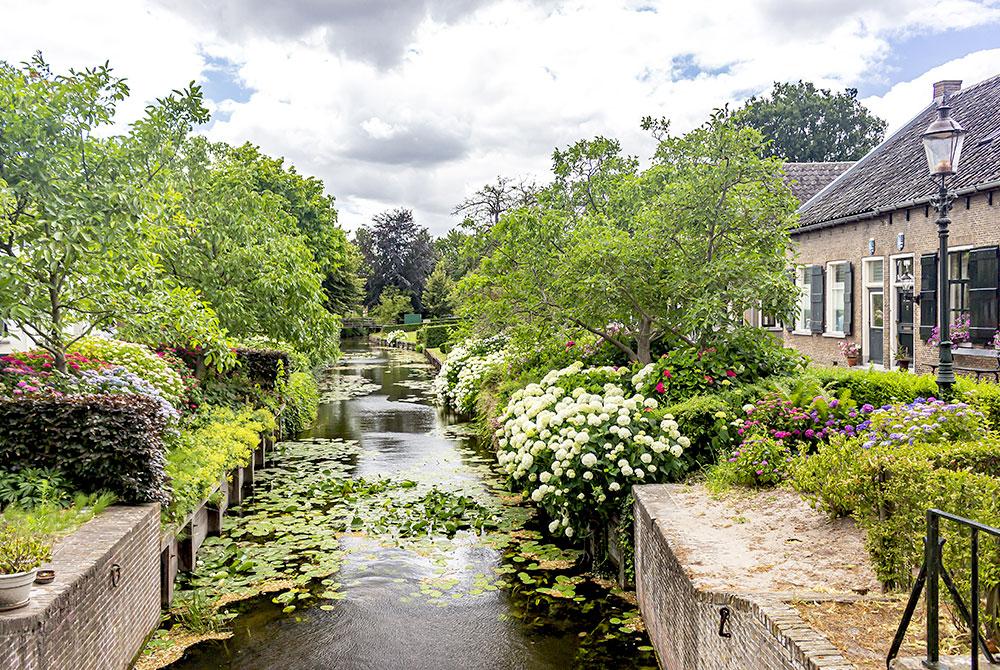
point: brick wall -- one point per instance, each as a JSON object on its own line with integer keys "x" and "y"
{"x": 977, "y": 225}
{"x": 94, "y": 616}
{"x": 683, "y": 617}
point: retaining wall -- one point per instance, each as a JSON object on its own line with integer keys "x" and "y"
{"x": 685, "y": 618}
{"x": 103, "y": 603}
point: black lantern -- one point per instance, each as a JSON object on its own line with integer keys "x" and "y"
{"x": 943, "y": 142}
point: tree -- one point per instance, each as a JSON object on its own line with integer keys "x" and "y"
{"x": 77, "y": 223}
{"x": 459, "y": 252}
{"x": 437, "y": 298}
{"x": 805, "y": 123}
{"x": 303, "y": 198}
{"x": 238, "y": 247}
{"x": 483, "y": 209}
{"x": 681, "y": 250}
{"x": 397, "y": 253}
{"x": 391, "y": 306}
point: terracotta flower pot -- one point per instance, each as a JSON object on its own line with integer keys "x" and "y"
{"x": 853, "y": 360}
{"x": 15, "y": 589}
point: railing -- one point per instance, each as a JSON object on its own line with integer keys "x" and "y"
{"x": 931, "y": 573}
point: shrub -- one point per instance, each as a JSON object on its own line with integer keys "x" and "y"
{"x": 984, "y": 397}
{"x": 745, "y": 357}
{"x": 139, "y": 360}
{"x": 926, "y": 421}
{"x": 575, "y": 443}
{"x": 757, "y": 462}
{"x": 29, "y": 487}
{"x": 300, "y": 397}
{"x": 802, "y": 423}
{"x": 220, "y": 440}
{"x": 432, "y": 337}
{"x": 462, "y": 373}
{"x": 20, "y": 550}
{"x": 263, "y": 366}
{"x": 297, "y": 361}
{"x": 394, "y": 336}
{"x": 706, "y": 420}
{"x": 874, "y": 387}
{"x": 98, "y": 442}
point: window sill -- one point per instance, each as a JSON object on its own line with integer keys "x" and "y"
{"x": 837, "y": 335}
{"x": 773, "y": 329}
{"x": 803, "y": 332}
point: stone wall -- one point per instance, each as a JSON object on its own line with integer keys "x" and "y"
{"x": 103, "y": 603}
{"x": 683, "y": 617}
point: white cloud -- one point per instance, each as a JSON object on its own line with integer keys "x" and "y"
{"x": 416, "y": 103}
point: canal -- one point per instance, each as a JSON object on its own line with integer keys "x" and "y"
{"x": 383, "y": 538}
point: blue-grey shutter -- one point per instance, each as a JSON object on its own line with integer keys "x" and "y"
{"x": 816, "y": 294}
{"x": 928, "y": 294}
{"x": 848, "y": 299}
{"x": 983, "y": 274}
{"x": 790, "y": 324}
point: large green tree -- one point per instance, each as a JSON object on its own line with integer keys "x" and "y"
{"x": 805, "y": 123}
{"x": 316, "y": 218}
{"x": 397, "y": 252}
{"x": 682, "y": 249}
{"x": 80, "y": 205}
{"x": 437, "y": 298}
{"x": 240, "y": 247}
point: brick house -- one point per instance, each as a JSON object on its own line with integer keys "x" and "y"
{"x": 866, "y": 244}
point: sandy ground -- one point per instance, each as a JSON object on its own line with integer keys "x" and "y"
{"x": 767, "y": 541}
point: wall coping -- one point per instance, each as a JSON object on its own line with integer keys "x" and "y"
{"x": 76, "y": 558}
{"x": 657, "y": 503}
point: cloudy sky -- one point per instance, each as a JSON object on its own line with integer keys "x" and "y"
{"x": 418, "y": 102}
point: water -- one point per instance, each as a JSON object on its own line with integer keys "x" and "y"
{"x": 435, "y": 603}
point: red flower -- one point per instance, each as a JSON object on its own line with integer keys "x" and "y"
{"x": 666, "y": 374}
{"x": 709, "y": 379}
{"x": 730, "y": 373}
{"x": 660, "y": 388}
{"x": 571, "y": 343}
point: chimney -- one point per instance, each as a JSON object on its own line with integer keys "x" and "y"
{"x": 946, "y": 87}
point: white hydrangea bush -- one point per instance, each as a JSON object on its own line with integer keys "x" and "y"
{"x": 394, "y": 336}
{"x": 575, "y": 442}
{"x": 457, "y": 383}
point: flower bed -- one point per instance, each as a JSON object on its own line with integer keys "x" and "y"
{"x": 458, "y": 382}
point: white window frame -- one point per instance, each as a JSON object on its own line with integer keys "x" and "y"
{"x": 831, "y": 273}
{"x": 867, "y": 284}
{"x": 804, "y": 304}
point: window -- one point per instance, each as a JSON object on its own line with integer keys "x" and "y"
{"x": 904, "y": 270}
{"x": 768, "y": 321}
{"x": 838, "y": 278}
{"x": 803, "y": 277}
{"x": 958, "y": 284}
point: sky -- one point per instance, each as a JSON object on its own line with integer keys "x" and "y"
{"x": 417, "y": 103}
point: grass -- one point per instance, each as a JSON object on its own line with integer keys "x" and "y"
{"x": 54, "y": 520}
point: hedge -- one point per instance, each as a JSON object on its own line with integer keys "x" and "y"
{"x": 875, "y": 387}
{"x": 263, "y": 365}
{"x": 99, "y": 442}
{"x": 300, "y": 396}
{"x": 889, "y": 489}
{"x": 432, "y": 337}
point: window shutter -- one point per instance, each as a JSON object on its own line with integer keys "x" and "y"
{"x": 983, "y": 274}
{"x": 790, "y": 324}
{"x": 848, "y": 299}
{"x": 816, "y": 294}
{"x": 928, "y": 294}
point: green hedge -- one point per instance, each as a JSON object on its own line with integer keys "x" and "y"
{"x": 875, "y": 387}
{"x": 434, "y": 337}
{"x": 98, "y": 442}
{"x": 300, "y": 396}
{"x": 889, "y": 489}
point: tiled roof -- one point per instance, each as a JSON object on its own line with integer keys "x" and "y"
{"x": 895, "y": 173}
{"x": 808, "y": 179}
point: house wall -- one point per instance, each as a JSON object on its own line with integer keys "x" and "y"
{"x": 975, "y": 223}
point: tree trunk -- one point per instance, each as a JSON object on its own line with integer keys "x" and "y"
{"x": 643, "y": 343}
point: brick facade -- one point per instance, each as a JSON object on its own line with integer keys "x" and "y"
{"x": 103, "y": 603}
{"x": 682, "y": 614}
{"x": 975, "y": 223}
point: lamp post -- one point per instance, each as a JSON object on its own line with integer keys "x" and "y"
{"x": 943, "y": 144}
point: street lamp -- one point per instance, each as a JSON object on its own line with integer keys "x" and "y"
{"x": 943, "y": 144}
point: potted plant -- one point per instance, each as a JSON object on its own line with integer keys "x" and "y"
{"x": 21, "y": 554}
{"x": 903, "y": 358}
{"x": 851, "y": 351}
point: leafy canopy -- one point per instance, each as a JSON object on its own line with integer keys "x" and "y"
{"x": 79, "y": 206}
{"x": 682, "y": 249}
{"x": 805, "y": 123}
{"x": 397, "y": 252}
